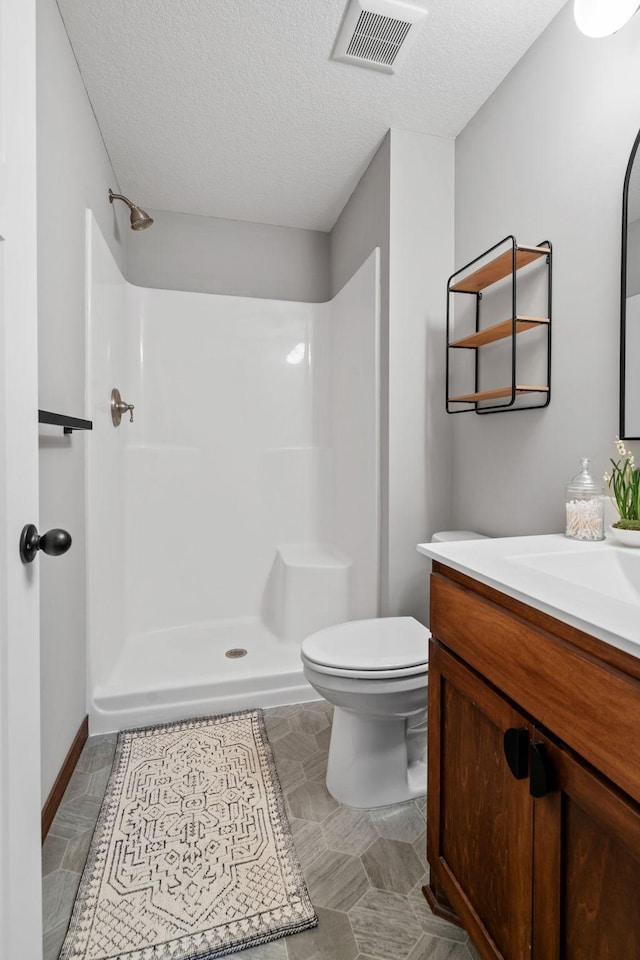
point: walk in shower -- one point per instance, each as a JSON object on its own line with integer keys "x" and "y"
{"x": 239, "y": 511}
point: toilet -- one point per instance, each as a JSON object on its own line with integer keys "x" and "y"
{"x": 375, "y": 673}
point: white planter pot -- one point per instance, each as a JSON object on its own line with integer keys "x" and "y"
{"x": 630, "y": 538}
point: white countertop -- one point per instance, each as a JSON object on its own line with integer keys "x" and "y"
{"x": 592, "y": 586}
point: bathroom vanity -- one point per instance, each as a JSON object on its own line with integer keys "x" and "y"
{"x": 533, "y": 816}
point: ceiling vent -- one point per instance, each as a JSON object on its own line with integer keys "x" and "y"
{"x": 377, "y": 33}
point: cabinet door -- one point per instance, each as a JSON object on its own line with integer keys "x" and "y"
{"x": 586, "y": 866}
{"x": 479, "y": 817}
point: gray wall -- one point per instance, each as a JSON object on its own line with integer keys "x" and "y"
{"x": 633, "y": 258}
{"x": 363, "y": 225}
{"x": 73, "y": 173}
{"x": 404, "y": 205}
{"x": 545, "y": 158}
{"x": 211, "y": 255}
{"x": 421, "y": 254}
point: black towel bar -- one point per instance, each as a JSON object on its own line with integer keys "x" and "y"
{"x": 61, "y": 420}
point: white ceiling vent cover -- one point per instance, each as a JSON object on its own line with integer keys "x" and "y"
{"x": 377, "y": 33}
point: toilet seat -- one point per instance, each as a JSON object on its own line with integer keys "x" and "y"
{"x": 399, "y": 672}
{"x": 379, "y": 648}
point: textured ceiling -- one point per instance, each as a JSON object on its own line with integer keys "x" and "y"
{"x": 233, "y": 108}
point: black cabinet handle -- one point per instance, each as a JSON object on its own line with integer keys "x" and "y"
{"x": 516, "y": 744}
{"x": 54, "y": 542}
{"x": 541, "y": 780}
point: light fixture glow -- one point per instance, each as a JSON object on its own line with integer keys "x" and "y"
{"x": 601, "y": 18}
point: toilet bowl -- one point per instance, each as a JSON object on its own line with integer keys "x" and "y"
{"x": 375, "y": 674}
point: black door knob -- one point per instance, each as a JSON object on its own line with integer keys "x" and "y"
{"x": 54, "y": 542}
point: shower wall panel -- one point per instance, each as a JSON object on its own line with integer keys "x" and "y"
{"x": 105, "y": 487}
{"x": 348, "y": 398}
{"x": 220, "y": 462}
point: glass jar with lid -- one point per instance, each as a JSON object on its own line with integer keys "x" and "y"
{"x": 585, "y": 506}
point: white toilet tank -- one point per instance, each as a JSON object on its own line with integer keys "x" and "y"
{"x": 450, "y": 536}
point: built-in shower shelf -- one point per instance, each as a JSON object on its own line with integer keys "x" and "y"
{"x": 69, "y": 424}
{"x": 499, "y": 331}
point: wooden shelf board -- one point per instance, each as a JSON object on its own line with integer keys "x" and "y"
{"x": 496, "y": 394}
{"x": 499, "y": 268}
{"x": 499, "y": 331}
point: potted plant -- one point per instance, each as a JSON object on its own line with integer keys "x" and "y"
{"x": 624, "y": 491}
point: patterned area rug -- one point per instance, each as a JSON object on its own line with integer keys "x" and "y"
{"x": 192, "y": 857}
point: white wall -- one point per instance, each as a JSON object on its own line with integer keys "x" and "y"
{"x": 74, "y": 173}
{"x": 212, "y": 255}
{"x": 545, "y": 158}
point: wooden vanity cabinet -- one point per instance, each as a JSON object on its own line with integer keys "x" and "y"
{"x": 532, "y": 845}
{"x": 586, "y": 864}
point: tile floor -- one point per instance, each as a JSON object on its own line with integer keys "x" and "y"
{"x": 364, "y": 868}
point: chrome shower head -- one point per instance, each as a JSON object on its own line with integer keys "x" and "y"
{"x": 139, "y": 219}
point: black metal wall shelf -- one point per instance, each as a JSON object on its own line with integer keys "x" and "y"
{"x": 499, "y": 267}
{"x": 69, "y": 424}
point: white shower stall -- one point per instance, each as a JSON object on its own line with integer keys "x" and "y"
{"x": 239, "y": 511}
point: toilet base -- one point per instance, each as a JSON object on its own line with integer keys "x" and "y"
{"x": 368, "y": 764}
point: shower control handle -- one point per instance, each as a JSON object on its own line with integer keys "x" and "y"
{"x": 119, "y": 407}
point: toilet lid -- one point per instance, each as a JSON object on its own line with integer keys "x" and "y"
{"x": 385, "y": 643}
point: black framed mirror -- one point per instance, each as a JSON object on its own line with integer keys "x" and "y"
{"x": 630, "y": 301}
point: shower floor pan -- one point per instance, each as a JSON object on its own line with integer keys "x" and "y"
{"x": 184, "y": 672}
